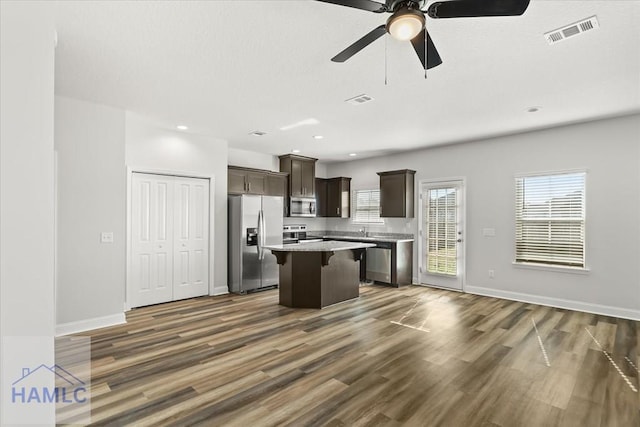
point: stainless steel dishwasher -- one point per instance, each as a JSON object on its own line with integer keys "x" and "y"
{"x": 379, "y": 262}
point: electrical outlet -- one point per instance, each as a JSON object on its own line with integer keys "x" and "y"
{"x": 491, "y": 274}
{"x": 106, "y": 237}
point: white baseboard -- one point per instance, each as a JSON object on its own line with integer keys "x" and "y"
{"x": 219, "y": 290}
{"x": 89, "y": 324}
{"x": 606, "y": 310}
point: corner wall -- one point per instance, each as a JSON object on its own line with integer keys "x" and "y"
{"x": 26, "y": 197}
{"x": 89, "y": 140}
{"x": 610, "y": 152}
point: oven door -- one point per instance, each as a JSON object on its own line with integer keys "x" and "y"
{"x": 302, "y": 207}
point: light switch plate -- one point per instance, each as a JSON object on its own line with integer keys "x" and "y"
{"x": 106, "y": 237}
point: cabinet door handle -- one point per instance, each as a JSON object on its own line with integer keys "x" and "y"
{"x": 249, "y": 184}
{"x": 338, "y": 211}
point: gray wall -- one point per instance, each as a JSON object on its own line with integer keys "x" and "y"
{"x": 90, "y": 140}
{"x": 610, "y": 152}
{"x": 95, "y": 145}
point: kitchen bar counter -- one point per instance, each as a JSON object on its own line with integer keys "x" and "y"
{"x": 319, "y": 274}
{"x": 374, "y": 238}
{"x": 330, "y": 245}
{"x": 401, "y": 246}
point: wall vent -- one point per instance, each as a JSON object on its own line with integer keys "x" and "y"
{"x": 571, "y": 30}
{"x": 359, "y": 100}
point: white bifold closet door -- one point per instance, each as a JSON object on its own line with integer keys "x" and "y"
{"x": 169, "y": 238}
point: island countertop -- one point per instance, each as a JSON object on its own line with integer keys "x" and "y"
{"x": 328, "y": 246}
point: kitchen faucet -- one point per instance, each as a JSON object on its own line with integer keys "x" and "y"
{"x": 363, "y": 230}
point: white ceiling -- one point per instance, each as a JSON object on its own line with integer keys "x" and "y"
{"x": 226, "y": 68}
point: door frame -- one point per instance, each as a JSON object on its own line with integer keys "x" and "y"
{"x": 463, "y": 219}
{"x": 128, "y": 252}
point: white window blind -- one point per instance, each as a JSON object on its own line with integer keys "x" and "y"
{"x": 550, "y": 218}
{"x": 366, "y": 205}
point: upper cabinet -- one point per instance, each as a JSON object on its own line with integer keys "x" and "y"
{"x": 396, "y": 193}
{"x": 333, "y": 197}
{"x": 277, "y": 184}
{"x": 302, "y": 174}
{"x": 338, "y": 197}
{"x": 256, "y": 181}
{"x": 321, "y": 197}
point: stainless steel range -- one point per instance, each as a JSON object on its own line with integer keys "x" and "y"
{"x": 297, "y": 233}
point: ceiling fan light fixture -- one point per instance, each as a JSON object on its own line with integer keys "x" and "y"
{"x": 405, "y": 24}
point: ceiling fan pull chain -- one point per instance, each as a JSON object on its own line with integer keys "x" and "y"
{"x": 426, "y": 58}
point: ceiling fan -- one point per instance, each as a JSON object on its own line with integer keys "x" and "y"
{"x": 407, "y": 21}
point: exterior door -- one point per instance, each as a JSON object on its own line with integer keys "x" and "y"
{"x": 441, "y": 234}
{"x": 169, "y": 238}
{"x": 151, "y": 239}
{"x": 191, "y": 237}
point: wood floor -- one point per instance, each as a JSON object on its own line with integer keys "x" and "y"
{"x": 408, "y": 356}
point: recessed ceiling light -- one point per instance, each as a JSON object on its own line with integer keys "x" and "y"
{"x": 258, "y": 133}
{"x": 182, "y": 127}
{"x": 533, "y": 109}
{"x": 352, "y": 154}
{"x": 318, "y": 136}
{"x": 295, "y": 151}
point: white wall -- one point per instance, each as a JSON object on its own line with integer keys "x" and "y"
{"x": 89, "y": 140}
{"x": 26, "y": 182}
{"x": 153, "y": 148}
{"x": 608, "y": 149}
{"x": 251, "y": 159}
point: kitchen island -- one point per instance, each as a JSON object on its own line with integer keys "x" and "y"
{"x": 319, "y": 274}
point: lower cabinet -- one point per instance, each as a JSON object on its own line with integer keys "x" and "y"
{"x": 388, "y": 262}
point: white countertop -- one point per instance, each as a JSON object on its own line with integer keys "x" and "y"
{"x": 328, "y": 246}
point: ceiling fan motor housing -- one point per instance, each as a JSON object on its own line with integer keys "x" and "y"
{"x": 395, "y": 5}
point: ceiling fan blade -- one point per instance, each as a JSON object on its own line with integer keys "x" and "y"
{"x": 369, "y": 5}
{"x": 433, "y": 58}
{"x": 477, "y": 8}
{"x": 365, "y": 41}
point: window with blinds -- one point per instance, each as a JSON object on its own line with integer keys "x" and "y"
{"x": 550, "y": 216}
{"x": 366, "y": 207}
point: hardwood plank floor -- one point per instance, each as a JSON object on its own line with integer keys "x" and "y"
{"x": 395, "y": 357}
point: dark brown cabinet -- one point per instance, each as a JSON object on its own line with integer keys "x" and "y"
{"x": 321, "y": 197}
{"x": 302, "y": 174}
{"x": 256, "y": 181}
{"x": 396, "y": 193}
{"x": 246, "y": 181}
{"x": 277, "y": 184}
{"x": 338, "y": 197}
{"x": 333, "y": 197}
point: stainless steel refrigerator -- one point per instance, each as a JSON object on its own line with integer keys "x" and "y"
{"x": 254, "y": 221}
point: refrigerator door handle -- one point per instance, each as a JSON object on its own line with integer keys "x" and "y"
{"x": 259, "y": 236}
{"x": 263, "y": 234}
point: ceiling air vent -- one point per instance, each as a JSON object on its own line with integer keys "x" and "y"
{"x": 564, "y": 33}
{"x": 359, "y": 100}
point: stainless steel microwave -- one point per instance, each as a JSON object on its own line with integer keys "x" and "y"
{"x": 302, "y": 206}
